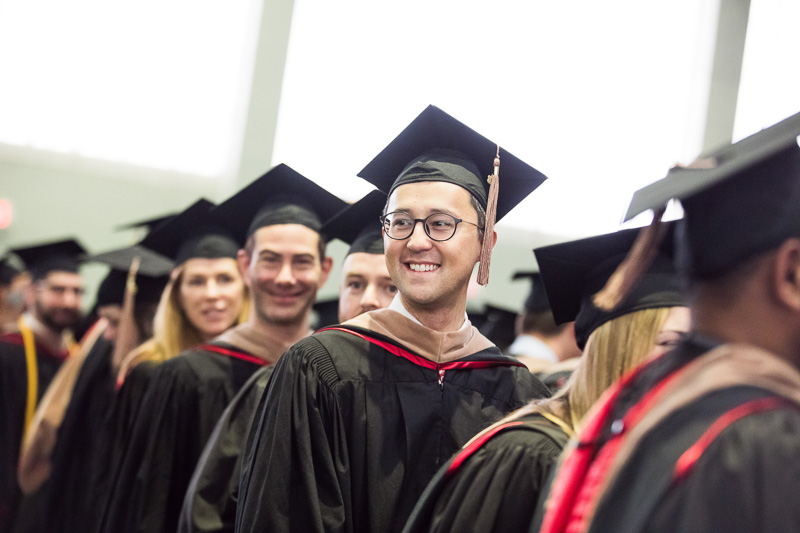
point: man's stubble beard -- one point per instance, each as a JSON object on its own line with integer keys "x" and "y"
{"x": 264, "y": 315}
{"x": 46, "y": 318}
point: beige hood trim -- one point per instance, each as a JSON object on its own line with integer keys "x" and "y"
{"x": 432, "y": 345}
{"x": 725, "y": 366}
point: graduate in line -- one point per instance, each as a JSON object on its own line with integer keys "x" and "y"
{"x": 494, "y": 483}
{"x": 356, "y": 419}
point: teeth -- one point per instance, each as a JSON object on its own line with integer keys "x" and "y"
{"x": 422, "y": 268}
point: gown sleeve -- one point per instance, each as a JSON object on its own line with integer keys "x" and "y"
{"x": 741, "y": 482}
{"x": 168, "y": 436}
{"x": 211, "y": 499}
{"x": 296, "y": 466}
{"x": 494, "y": 489}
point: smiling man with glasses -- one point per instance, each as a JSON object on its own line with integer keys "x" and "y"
{"x": 357, "y": 418}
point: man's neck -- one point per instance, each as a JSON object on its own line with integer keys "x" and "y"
{"x": 285, "y": 333}
{"x": 44, "y": 334}
{"x": 745, "y": 323}
{"x": 441, "y": 319}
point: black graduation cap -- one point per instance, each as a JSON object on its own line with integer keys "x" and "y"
{"x": 460, "y": 155}
{"x": 437, "y": 147}
{"x": 150, "y": 263}
{"x": 740, "y": 200}
{"x": 150, "y": 223}
{"x": 326, "y": 313}
{"x": 41, "y": 259}
{"x": 358, "y": 224}
{"x": 537, "y": 301}
{"x": 8, "y": 271}
{"x": 281, "y": 196}
{"x": 573, "y": 272}
{"x": 194, "y": 233}
{"x": 112, "y": 288}
{"x": 498, "y": 325}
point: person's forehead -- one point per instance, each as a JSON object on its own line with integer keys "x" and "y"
{"x": 287, "y": 238}
{"x": 364, "y": 264}
{"x": 434, "y": 194}
{"x": 207, "y": 266}
{"x": 63, "y": 279}
{"x": 109, "y": 311}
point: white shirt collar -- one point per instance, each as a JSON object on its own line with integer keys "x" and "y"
{"x": 398, "y": 307}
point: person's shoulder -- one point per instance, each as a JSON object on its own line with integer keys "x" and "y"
{"x": 774, "y": 432}
{"x": 182, "y": 370}
{"x": 330, "y": 354}
{"x": 198, "y": 361}
{"x": 532, "y": 434}
{"x": 11, "y": 343}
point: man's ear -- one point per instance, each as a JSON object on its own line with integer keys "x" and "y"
{"x": 327, "y": 265}
{"x": 243, "y": 262}
{"x": 494, "y": 242}
{"x": 494, "y": 238}
{"x": 787, "y": 274}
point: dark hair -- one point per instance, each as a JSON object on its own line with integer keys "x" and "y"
{"x": 481, "y": 212}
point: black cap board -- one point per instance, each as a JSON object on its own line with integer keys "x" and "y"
{"x": 281, "y": 196}
{"x": 112, "y": 288}
{"x": 8, "y": 271}
{"x": 437, "y": 147}
{"x": 573, "y": 272}
{"x": 194, "y": 233}
{"x": 150, "y": 223}
{"x": 358, "y": 224}
{"x": 740, "y": 200}
{"x": 327, "y": 313}
{"x": 498, "y": 325}
{"x": 537, "y": 301}
{"x": 41, "y": 259}
{"x": 150, "y": 263}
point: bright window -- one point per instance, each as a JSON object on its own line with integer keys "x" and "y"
{"x": 770, "y": 87}
{"x": 603, "y": 97}
{"x": 156, "y": 83}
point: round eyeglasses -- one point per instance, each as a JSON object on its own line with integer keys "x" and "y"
{"x": 438, "y": 226}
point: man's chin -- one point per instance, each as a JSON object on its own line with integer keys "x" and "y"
{"x": 283, "y": 316}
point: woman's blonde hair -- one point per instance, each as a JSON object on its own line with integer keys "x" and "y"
{"x": 612, "y": 350}
{"x": 172, "y": 330}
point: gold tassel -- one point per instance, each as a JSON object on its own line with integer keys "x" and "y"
{"x": 491, "y": 213}
{"x": 635, "y": 264}
{"x": 127, "y": 331}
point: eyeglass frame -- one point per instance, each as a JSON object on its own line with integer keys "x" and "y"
{"x": 383, "y": 220}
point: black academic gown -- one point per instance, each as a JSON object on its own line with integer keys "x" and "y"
{"x": 13, "y": 397}
{"x": 65, "y": 494}
{"x": 716, "y": 462}
{"x": 113, "y": 441}
{"x": 351, "y": 432}
{"x": 494, "y": 483}
{"x": 186, "y": 397}
{"x": 213, "y": 492}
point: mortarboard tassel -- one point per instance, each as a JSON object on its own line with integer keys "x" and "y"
{"x": 127, "y": 331}
{"x": 636, "y": 263}
{"x": 491, "y": 213}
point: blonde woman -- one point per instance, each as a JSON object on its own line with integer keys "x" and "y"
{"x": 494, "y": 483}
{"x": 204, "y": 297}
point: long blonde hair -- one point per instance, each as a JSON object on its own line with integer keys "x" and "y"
{"x": 172, "y": 330}
{"x": 612, "y": 350}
